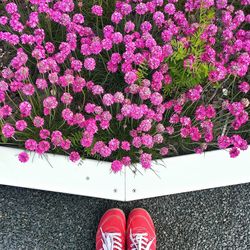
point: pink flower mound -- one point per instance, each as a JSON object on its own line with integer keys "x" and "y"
{"x": 106, "y": 87}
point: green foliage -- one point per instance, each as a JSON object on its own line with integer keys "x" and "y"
{"x": 142, "y": 72}
{"x": 75, "y": 138}
{"x": 187, "y": 77}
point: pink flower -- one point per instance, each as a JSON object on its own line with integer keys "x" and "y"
{"x": 200, "y": 113}
{"x": 41, "y": 83}
{"x": 66, "y": 98}
{"x": 158, "y": 138}
{"x": 210, "y": 112}
{"x": 23, "y": 157}
{"x": 156, "y": 98}
{"x": 21, "y": 125}
{"x": 141, "y": 8}
{"x": 116, "y": 166}
{"x": 244, "y": 87}
{"x": 234, "y": 152}
{"x": 5, "y": 111}
{"x": 50, "y": 102}
{"x": 125, "y": 145}
{"x": 97, "y": 10}
{"x": 56, "y": 138}
{"x": 114, "y": 144}
{"x": 31, "y": 145}
{"x": 89, "y": 63}
{"x": 116, "y": 17}
{"x": 137, "y": 142}
{"x": 224, "y": 142}
{"x": 147, "y": 140}
{"x": 76, "y": 65}
{"x": 67, "y": 114}
{"x": 3, "y": 86}
{"x": 126, "y": 161}
{"x": 195, "y": 93}
{"x": 11, "y": 8}
{"x": 65, "y": 144}
{"x": 129, "y": 26}
{"x": 8, "y": 131}
{"x": 44, "y": 134}
{"x": 108, "y": 99}
{"x": 74, "y": 156}
{"x": 164, "y": 151}
{"x": 105, "y": 151}
{"x": 145, "y": 160}
{"x": 43, "y": 147}
{"x": 169, "y": 8}
{"x": 145, "y": 125}
{"x": 38, "y": 121}
{"x": 130, "y": 77}
{"x": 25, "y": 109}
{"x": 195, "y": 134}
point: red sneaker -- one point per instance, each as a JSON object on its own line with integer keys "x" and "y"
{"x": 111, "y": 231}
{"x": 140, "y": 231}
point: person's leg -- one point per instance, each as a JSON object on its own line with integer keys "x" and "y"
{"x": 140, "y": 231}
{"x": 111, "y": 231}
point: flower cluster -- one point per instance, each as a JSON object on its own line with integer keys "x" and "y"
{"x": 98, "y": 90}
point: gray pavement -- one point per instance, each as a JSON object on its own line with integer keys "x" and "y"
{"x": 210, "y": 219}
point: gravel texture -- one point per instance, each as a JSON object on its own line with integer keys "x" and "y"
{"x": 211, "y": 219}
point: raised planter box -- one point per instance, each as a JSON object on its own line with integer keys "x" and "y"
{"x": 93, "y": 178}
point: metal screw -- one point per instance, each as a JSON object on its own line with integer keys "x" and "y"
{"x": 115, "y": 190}
{"x": 87, "y": 178}
{"x": 134, "y": 190}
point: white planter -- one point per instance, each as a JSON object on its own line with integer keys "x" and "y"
{"x": 93, "y": 178}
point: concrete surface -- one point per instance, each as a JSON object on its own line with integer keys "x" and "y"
{"x": 210, "y": 219}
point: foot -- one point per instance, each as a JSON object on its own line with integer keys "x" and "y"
{"x": 140, "y": 231}
{"x": 111, "y": 231}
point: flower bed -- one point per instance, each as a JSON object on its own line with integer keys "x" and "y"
{"x": 125, "y": 81}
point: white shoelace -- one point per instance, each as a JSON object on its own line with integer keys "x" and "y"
{"x": 140, "y": 241}
{"x": 111, "y": 241}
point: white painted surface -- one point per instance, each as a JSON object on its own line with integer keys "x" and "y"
{"x": 60, "y": 175}
{"x": 92, "y": 178}
{"x": 189, "y": 173}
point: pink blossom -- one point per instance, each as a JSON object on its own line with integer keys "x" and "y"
{"x": 244, "y": 87}
{"x": 145, "y": 160}
{"x": 114, "y": 144}
{"x": 50, "y": 102}
{"x": 42, "y": 147}
{"x": 66, "y": 98}
{"x": 28, "y": 89}
{"x": 21, "y": 125}
{"x": 89, "y": 63}
{"x": 41, "y": 83}
{"x": 224, "y": 142}
{"x": 23, "y": 157}
{"x": 126, "y": 161}
{"x": 65, "y": 144}
{"x": 125, "y": 145}
{"x": 8, "y": 131}
{"x": 31, "y": 145}
{"x": 11, "y": 8}
{"x": 44, "y": 134}
{"x": 116, "y": 166}
{"x": 116, "y": 17}
{"x": 97, "y": 10}
{"x": 164, "y": 151}
{"x": 234, "y": 152}
{"x": 130, "y": 77}
{"x": 38, "y": 121}
{"x": 74, "y": 156}
{"x": 108, "y": 99}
